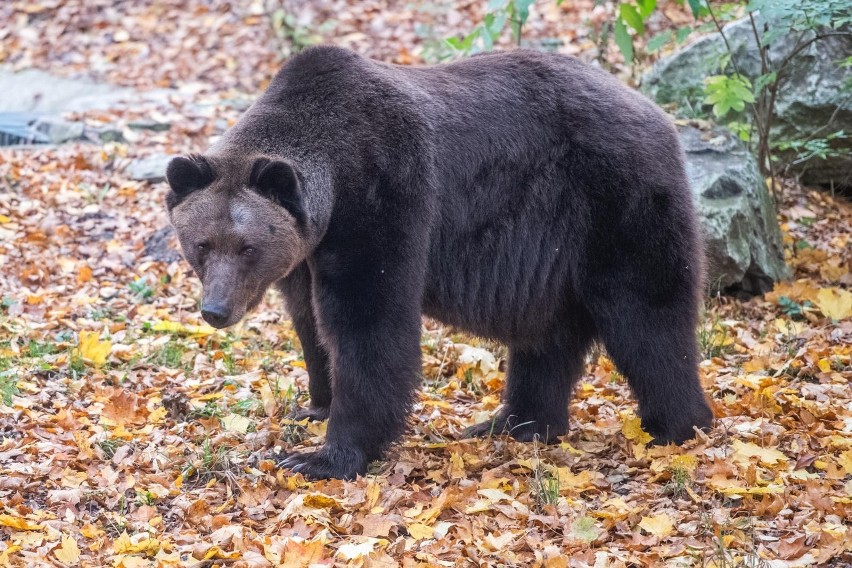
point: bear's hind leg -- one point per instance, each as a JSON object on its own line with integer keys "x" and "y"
{"x": 538, "y": 389}
{"x": 655, "y": 347}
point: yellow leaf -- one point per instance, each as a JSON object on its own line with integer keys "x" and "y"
{"x": 83, "y": 446}
{"x": 845, "y": 461}
{"x": 456, "y": 466}
{"x": 125, "y": 545}
{"x": 737, "y": 490}
{"x": 319, "y": 501}
{"x": 420, "y": 531}
{"x": 824, "y": 365}
{"x": 93, "y": 350}
{"x": 69, "y": 552}
{"x": 122, "y": 544}
{"x": 18, "y": 523}
{"x": 685, "y": 462}
{"x": 835, "y": 303}
{"x": 270, "y": 403}
{"x": 756, "y": 364}
{"x": 236, "y": 423}
{"x": 157, "y": 415}
{"x": 744, "y": 451}
{"x": 216, "y": 553}
{"x": 582, "y": 481}
{"x": 632, "y": 430}
{"x": 90, "y": 531}
{"x": 657, "y": 525}
{"x": 4, "y": 219}
{"x": 788, "y": 327}
{"x": 372, "y": 495}
{"x": 175, "y": 327}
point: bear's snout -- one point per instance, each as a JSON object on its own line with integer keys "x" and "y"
{"x": 216, "y": 315}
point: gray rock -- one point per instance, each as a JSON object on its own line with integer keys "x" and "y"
{"x": 37, "y": 91}
{"x": 150, "y": 168}
{"x": 161, "y": 245}
{"x": 807, "y": 100}
{"x": 742, "y": 237}
{"x": 59, "y": 131}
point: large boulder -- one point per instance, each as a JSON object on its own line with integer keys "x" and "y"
{"x": 742, "y": 238}
{"x": 811, "y": 99}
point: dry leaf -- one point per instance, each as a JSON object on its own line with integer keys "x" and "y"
{"x": 657, "y": 525}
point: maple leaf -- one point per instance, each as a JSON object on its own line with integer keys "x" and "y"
{"x": 68, "y": 552}
{"x": 835, "y": 303}
{"x": 92, "y": 350}
{"x": 744, "y": 451}
{"x": 632, "y": 429}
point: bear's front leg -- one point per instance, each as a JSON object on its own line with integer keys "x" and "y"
{"x": 368, "y": 311}
{"x": 296, "y": 290}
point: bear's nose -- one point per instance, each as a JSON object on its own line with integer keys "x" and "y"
{"x": 215, "y": 315}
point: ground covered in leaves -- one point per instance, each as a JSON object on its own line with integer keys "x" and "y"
{"x": 133, "y": 435}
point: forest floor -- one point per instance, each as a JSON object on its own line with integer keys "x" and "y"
{"x": 134, "y": 435}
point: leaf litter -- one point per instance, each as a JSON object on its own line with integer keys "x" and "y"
{"x": 135, "y": 435}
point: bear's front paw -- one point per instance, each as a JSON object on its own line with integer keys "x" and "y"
{"x": 312, "y": 413}
{"x": 332, "y": 460}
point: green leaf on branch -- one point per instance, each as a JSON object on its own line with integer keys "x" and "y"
{"x": 658, "y": 41}
{"x": 764, "y": 80}
{"x": 696, "y": 7}
{"x": 623, "y": 40}
{"x": 727, "y": 93}
{"x": 631, "y": 17}
{"x": 646, "y": 7}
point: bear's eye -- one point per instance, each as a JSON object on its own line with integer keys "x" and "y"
{"x": 247, "y": 251}
{"x": 202, "y": 247}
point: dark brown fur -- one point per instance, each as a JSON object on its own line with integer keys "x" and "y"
{"x": 521, "y": 196}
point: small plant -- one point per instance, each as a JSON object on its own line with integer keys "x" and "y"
{"x": 37, "y": 350}
{"x": 714, "y": 337}
{"x": 793, "y": 309}
{"x": 681, "y": 479}
{"x": 499, "y": 14}
{"x": 145, "y": 497}
{"x": 544, "y": 485}
{"x": 109, "y": 446}
{"x": 292, "y": 36}
{"x": 209, "y": 410}
{"x": 8, "y": 386}
{"x": 171, "y": 355}
{"x": 246, "y": 407}
{"x": 141, "y": 290}
{"x": 76, "y": 365}
{"x": 211, "y": 462}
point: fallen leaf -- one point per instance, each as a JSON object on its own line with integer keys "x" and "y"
{"x": 657, "y": 525}
{"x": 68, "y": 552}
{"x": 835, "y": 303}
{"x": 92, "y": 350}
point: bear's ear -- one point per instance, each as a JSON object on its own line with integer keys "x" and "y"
{"x": 185, "y": 175}
{"x": 277, "y": 180}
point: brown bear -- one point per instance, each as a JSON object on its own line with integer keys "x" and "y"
{"x": 521, "y": 196}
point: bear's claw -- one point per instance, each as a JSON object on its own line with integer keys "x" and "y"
{"x": 311, "y": 413}
{"x": 340, "y": 462}
{"x": 520, "y": 430}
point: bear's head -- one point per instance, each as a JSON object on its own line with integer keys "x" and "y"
{"x": 241, "y": 225}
